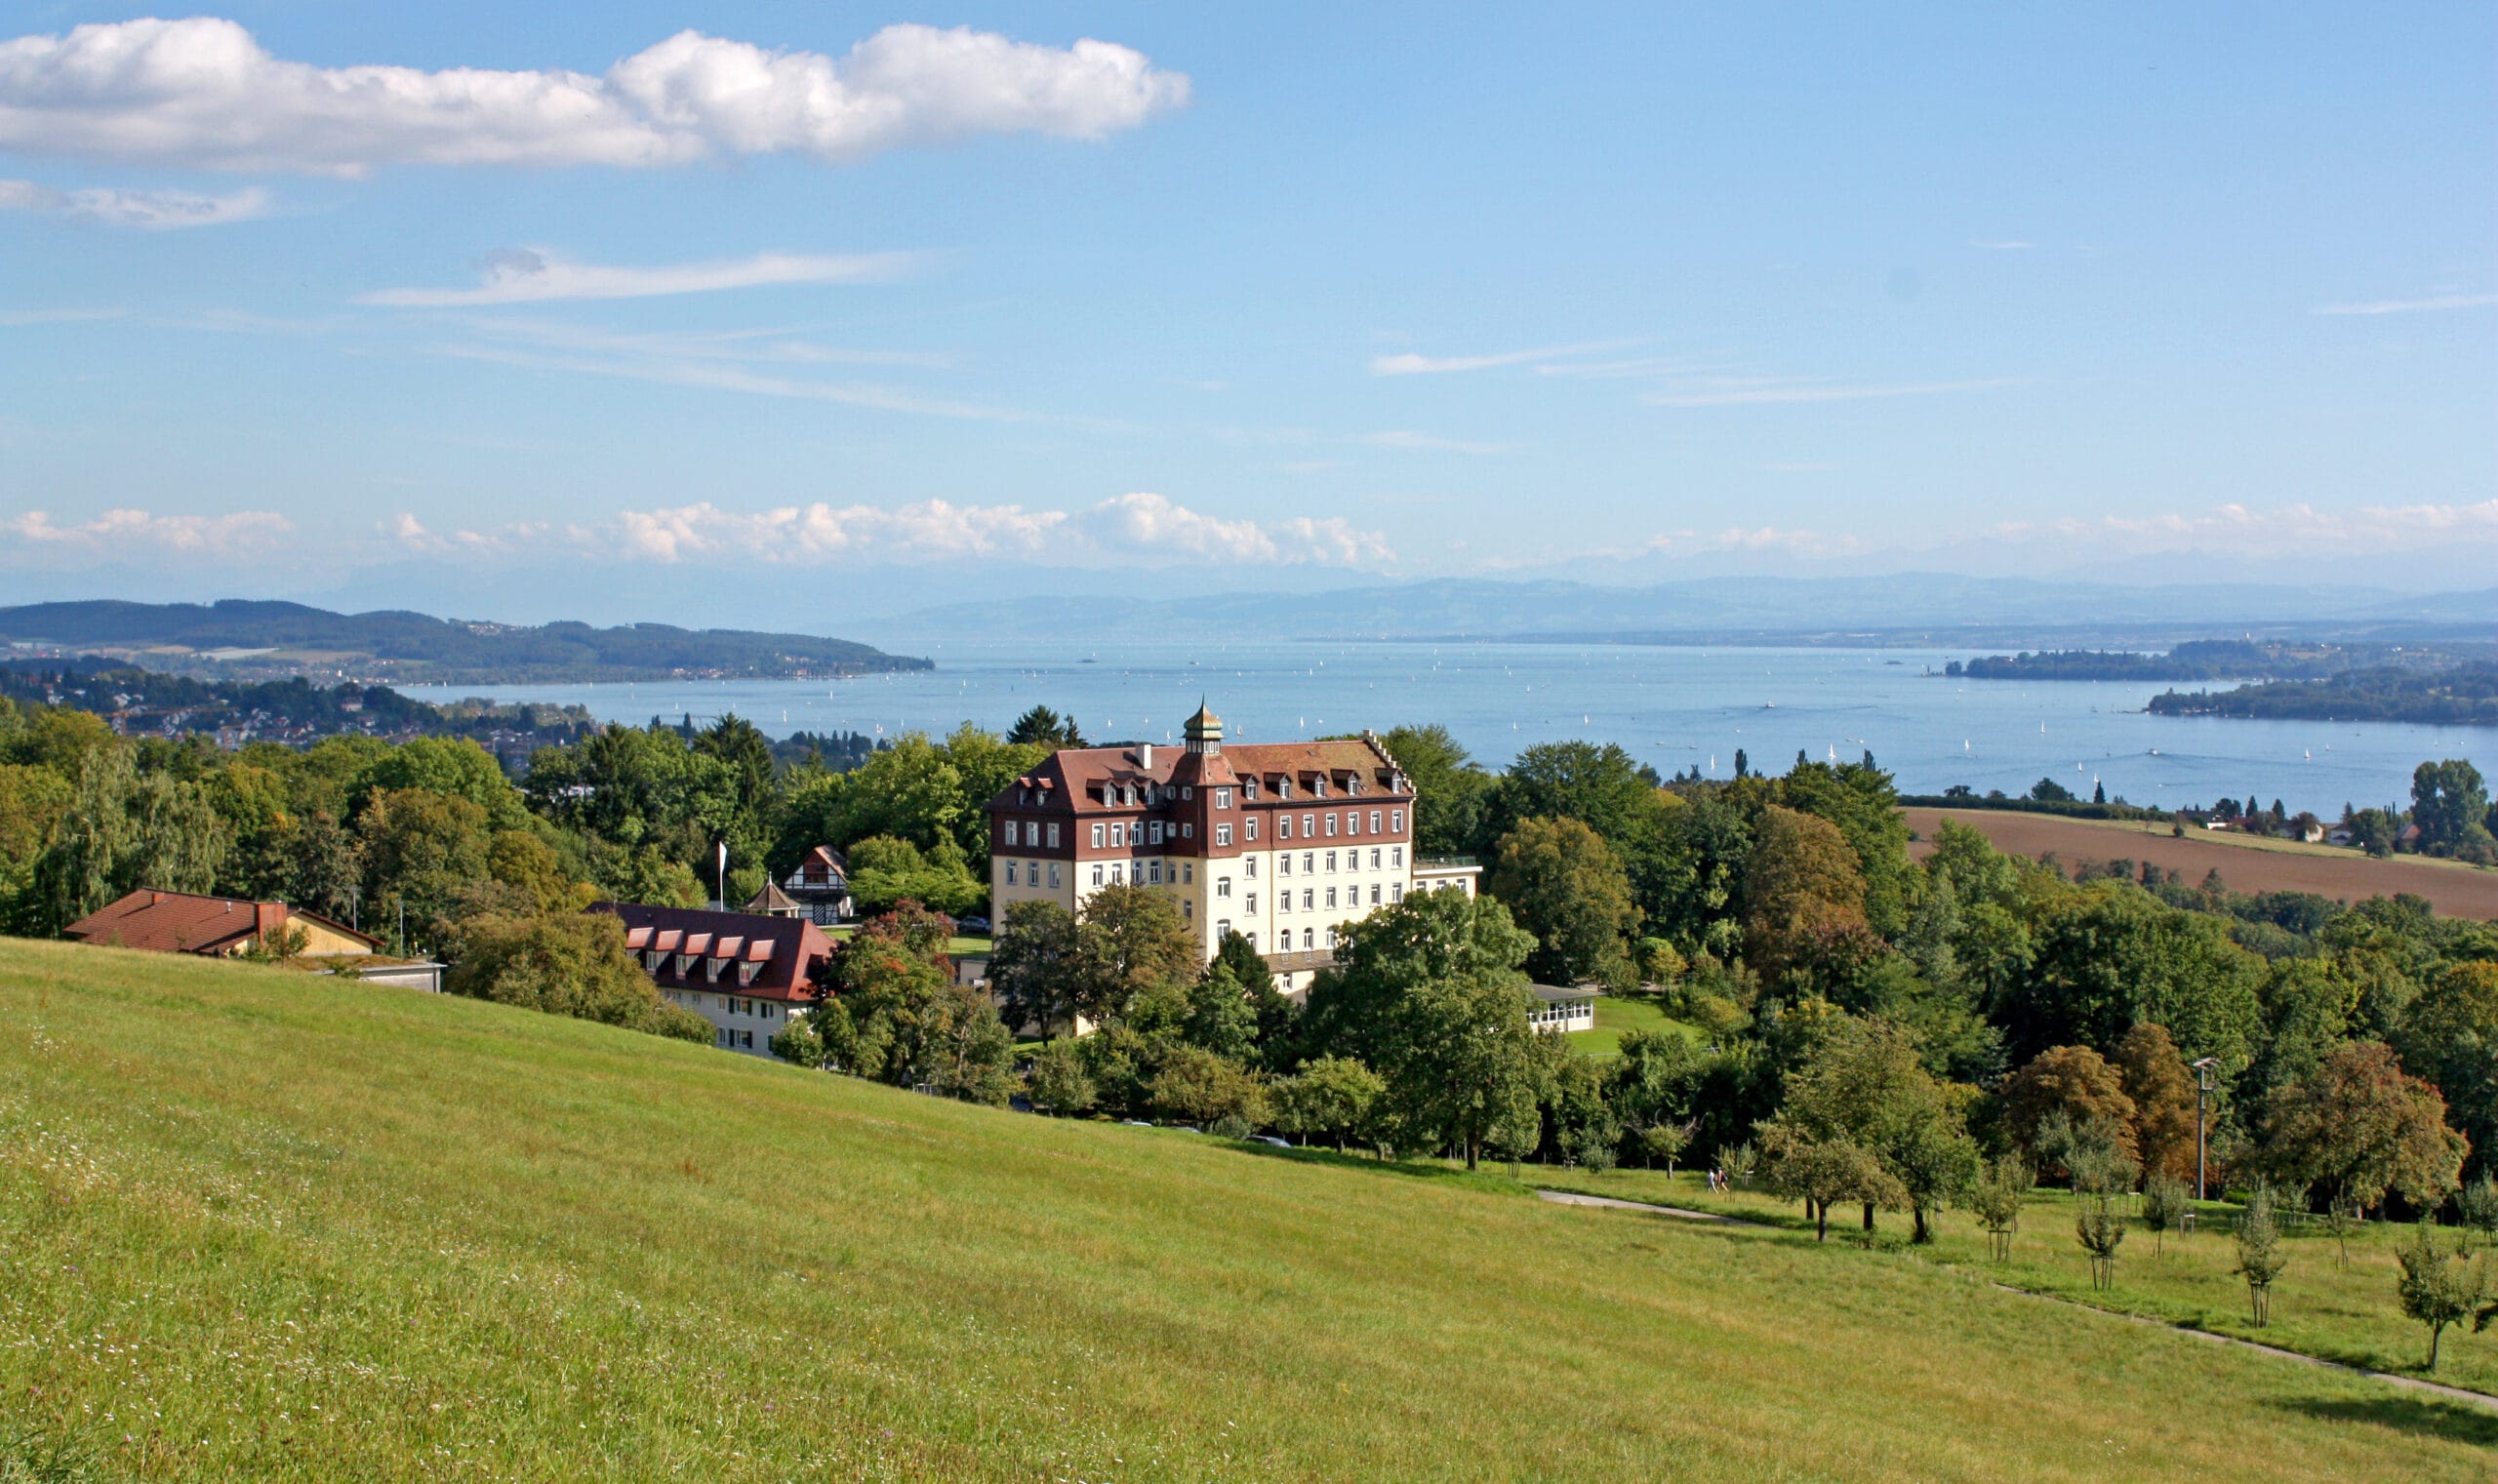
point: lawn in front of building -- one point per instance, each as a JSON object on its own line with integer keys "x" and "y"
{"x": 1619, "y": 1014}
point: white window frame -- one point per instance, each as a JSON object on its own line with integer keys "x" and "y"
{"x": 1223, "y": 798}
{"x": 1053, "y": 835}
{"x": 1221, "y": 836}
{"x": 1397, "y": 821}
{"x": 1099, "y": 833}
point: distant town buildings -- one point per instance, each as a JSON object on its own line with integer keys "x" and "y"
{"x": 1282, "y": 842}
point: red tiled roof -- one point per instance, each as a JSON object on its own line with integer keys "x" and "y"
{"x": 1083, "y": 773}
{"x": 182, "y": 922}
{"x": 786, "y": 949}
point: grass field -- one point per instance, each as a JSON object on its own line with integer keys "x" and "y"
{"x": 2321, "y": 1306}
{"x": 2247, "y": 863}
{"x": 255, "y": 1226}
{"x": 1617, "y": 1015}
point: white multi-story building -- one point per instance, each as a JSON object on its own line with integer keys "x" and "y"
{"x": 1280, "y": 842}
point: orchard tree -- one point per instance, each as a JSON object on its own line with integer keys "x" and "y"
{"x": 1866, "y": 1088}
{"x": 2441, "y": 1286}
{"x": 1058, "y": 1082}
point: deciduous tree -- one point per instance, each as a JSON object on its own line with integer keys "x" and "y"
{"x": 1562, "y": 883}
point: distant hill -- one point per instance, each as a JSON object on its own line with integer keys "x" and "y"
{"x": 2217, "y": 659}
{"x": 1930, "y": 610}
{"x": 2461, "y": 694}
{"x": 239, "y": 636}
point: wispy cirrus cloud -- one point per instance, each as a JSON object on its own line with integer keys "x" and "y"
{"x": 1412, "y": 365}
{"x": 2003, "y": 244}
{"x": 201, "y": 92}
{"x": 153, "y": 211}
{"x": 1127, "y": 529}
{"x": 1406, "y": 438}
{"x": 523, "y": 275}
{"x": 1757, "y": 391}
{"x": 131, "y": 533}
{"x": 2430, "y": 305}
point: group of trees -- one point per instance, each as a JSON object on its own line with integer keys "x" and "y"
{"x": 430, "y": 845}
{"x": 1870, "y": 1028}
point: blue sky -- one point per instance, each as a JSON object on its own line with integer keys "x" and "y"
{"x": 1257, "y": 296}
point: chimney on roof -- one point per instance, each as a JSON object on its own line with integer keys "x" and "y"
{"x": 267, "y": 917}
{"x": 155, "y": 899}
{"x": 1145, "y": 756}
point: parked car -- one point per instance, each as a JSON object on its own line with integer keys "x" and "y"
{"x": 971, "y": 924}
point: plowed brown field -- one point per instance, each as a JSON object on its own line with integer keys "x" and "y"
{"x": 2245, "y": 864}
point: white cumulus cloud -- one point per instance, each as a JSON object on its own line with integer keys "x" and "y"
{"x": 201, "y": 92}
{"x": 1125, "y": 529}
{"x": 139, "y": 533}
{"x": 524, "y": 276}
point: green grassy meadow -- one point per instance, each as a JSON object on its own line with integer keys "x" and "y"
{"x": 261, "y": 1225}
{"x": 2322, "y": 1306}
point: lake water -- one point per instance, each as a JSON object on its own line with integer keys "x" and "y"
{"x": 1674, "y": 708}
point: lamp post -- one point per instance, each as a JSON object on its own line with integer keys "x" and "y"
{"x": 2204, "y": 1083}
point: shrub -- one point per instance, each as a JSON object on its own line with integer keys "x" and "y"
{"x": 2260, "y": 1257}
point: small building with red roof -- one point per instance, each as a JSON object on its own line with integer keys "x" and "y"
{"x": 214, "y": 927}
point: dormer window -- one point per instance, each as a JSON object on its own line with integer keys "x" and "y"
{"x": 1318, "y": 788}
{"x": 1283, "y": 788}
{"x": 1248, "y": 789}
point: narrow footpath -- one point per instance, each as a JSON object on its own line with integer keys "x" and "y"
{"x": 2435, "y": 1389}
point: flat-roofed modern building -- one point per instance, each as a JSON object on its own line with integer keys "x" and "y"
{"x": 1280, "y": 842}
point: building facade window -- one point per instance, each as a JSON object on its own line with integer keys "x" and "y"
{"x": 1010, "y": 873}
{"x": 1374, "y": 858}
{"x": 1187, "y": 874}
{"x": 1249, "y": 826}
{"x": 1011, "y": 832}
{"x": 1249, "y": 903}
{"x": 1283, "y": 827}
{"x": 1223, "y": 886}
{"x": 1118, "y": 836}
{"x": 1331, "y": 897}
{"x": 1155, "y": 832}
{"x": 1374, "y": 821}
{"x": 1221, "y": 835}
{"x": 1097, "y": 875}
{"x": 1309, "y": 897}
{"x": 1396, "y": 891}
{"x": 1099, "y": 832}
{"x": 1396, "y": 855}
{"x": 1374, "y": 893}
{"x": 1308, "y": 826}
{"x": 1331, "y": 825}
{"x": 1053, "y": 835}
{"x": 1053, "y": 874}
{"x": 1154, "y": 872}
{"x": 1310, "y": 862}
{"x": 1397, "y": 821}
{"x": 1283, "y": 862}
{"x": 1331, "y": 863}
{"x": 1283, "y": 901}
{"x": 1223, "y": 798}
{"x": 1249, "y": 865}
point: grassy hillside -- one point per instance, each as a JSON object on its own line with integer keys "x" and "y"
{"x": 255, "y": 1226}
{"x": 2322, "y": 1306}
